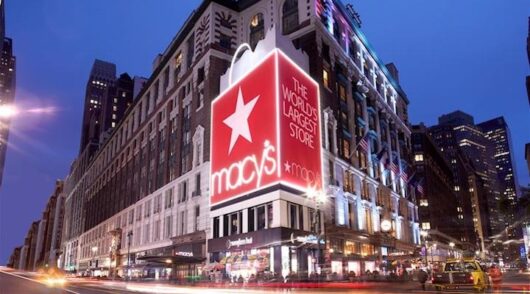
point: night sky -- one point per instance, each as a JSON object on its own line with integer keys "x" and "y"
{"x": 469, "y": 56}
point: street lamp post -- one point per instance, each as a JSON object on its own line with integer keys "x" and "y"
{"x": 94, "y": 259}
{"x": 452, "y": 245}
{"x": 424, "y": 235}
{"x": 129, "y": 236}
{"x": 319, "y": 198}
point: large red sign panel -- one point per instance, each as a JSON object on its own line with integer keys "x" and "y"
{"x": 266, "y": 130}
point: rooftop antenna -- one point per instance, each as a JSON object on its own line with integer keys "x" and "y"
{"x": 356, "y": 17}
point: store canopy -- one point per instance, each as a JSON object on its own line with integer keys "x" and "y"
{"x": 177, "y": 259}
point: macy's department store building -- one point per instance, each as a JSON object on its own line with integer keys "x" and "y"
{"x": 269, "y": 204}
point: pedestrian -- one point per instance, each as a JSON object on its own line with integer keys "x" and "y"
{"x": 422, "y": 278}
{"x": 496, "y": 276}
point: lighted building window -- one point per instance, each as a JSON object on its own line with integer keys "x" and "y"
{"x": 418, "y": 157}
{"x": 424, "y": 202}
{"x": 457, "y": 188}
{"x": 342, "y": 92}
{"x": 257, "y": 30}
{"x": 325, "y": 78}
{"x": 289, "y": 16}
{"x": 426, "y": 226}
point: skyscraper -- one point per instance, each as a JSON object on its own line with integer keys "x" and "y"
{"x": 438, "y": 206}
{"x": 469, "y": 182}
{"x": 480, "y": 151}
{"x": 497, "y": 131}
{"x": 7, "y": 89}
{"x": 97, "y": 97}
{"x": 106, "y": 101}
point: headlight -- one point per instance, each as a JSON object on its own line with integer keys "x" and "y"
{"x": 55, "y": 281}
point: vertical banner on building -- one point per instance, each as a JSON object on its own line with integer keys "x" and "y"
{"x": 266, "y": 131}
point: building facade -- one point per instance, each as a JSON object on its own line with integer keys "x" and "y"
{"x": 42, "y": 243}
{"x": 27, "y": 252}
{"x": 140, "y": 205}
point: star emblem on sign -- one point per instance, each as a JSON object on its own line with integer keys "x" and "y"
{"x": 238, "y": 121}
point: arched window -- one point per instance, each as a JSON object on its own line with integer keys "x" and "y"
{"x": 257, "y": 30}
{"x": 289, "y": 16}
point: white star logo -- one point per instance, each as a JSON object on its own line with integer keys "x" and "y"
{"x": 238, "y": 121}
{"x": 287, "y": 166}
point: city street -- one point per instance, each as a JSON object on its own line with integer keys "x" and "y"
{"x": 19, "y": 282}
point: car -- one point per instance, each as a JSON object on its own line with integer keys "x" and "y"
{"x": 54, "y": 278}
{"x": 461, "y": 274}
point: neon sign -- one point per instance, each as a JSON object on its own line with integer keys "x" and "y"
{"x": 266, "y": 130}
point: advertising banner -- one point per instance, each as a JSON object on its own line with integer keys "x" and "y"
{"x": 266, "y": 131}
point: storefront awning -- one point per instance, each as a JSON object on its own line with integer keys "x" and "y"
{"x": 177, "y": 259}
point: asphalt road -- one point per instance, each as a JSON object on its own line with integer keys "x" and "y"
{"x": 24, "y": 283}
{"x": 28, "y": 283}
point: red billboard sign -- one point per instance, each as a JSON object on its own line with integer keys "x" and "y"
{"x": 266, "y": 130}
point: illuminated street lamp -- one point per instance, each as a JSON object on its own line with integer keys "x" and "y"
{"x": 8, "y": 111}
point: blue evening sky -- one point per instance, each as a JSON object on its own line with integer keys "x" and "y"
{"x": 468, "y": 55}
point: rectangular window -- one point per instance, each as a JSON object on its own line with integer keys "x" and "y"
{"x": 146, "y": 234}
{"x": 342, "y": 92}
{"x": 225, "y": 224}
{"x": 197, "y": 218}
{"x": 234, "y": 223}
{"x": 155, "y": 93}
{"x": 197, "y": 191}
{"x": 156, "y": 231}
{"x": 139, "y": 212}
{"x": 200, "y": 75}
{"x": 261, "y": 217}
{"x": 424, "y": 202}
{"x": 216, "y": 227}
{"x": 269, "y": 215}
{"x": 166, "y": 80}
{"x": 131, "y": 216}
{"x": 325, "y": 78}
{"x": 418, "y": 157}
{"x": 426, "y": 226}
{"x": 295, "y": 216}
{"x": 169, "y": 198}
{"x": 157, "y": 205}
{"x": 191, "y": 51}
{"x": 178, "y": 65}
{"x": 225, "y": 41}
{"x": 168, "y": 227}
{"x": 183, "y": 222}
{"x": 200, "y": 98}
{"x": 147, "y": 209}
{"x": 251, "y": 221}
{"x": 183, "y": 192}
